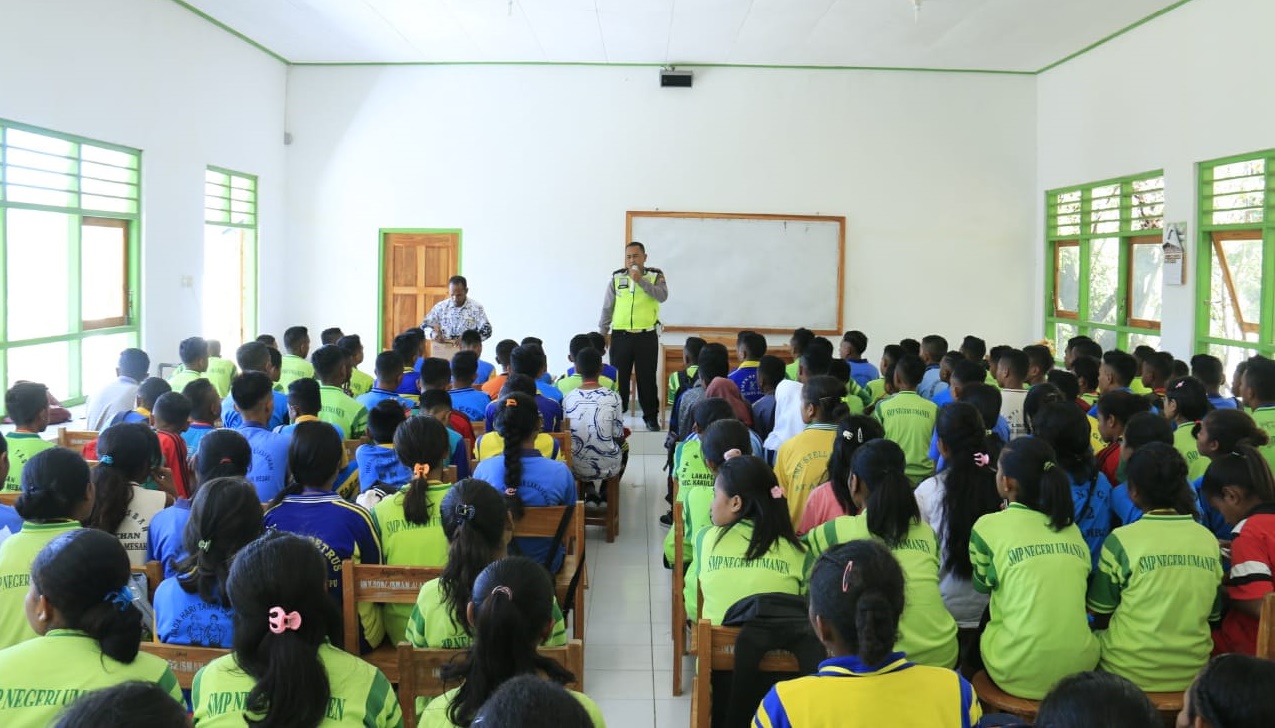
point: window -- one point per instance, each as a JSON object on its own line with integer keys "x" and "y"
{"x": 69, "y": 241}
{"x": 230, "y": 257}
{"x": 1236, "y": 282}
{"x": 1104, "y": 263}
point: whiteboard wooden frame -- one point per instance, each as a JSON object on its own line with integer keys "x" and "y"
{"x": 841, "y": 259}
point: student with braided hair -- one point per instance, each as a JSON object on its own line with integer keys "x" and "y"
{"x": 525, "y": 476}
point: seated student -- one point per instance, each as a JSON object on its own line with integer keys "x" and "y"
{"x": 890, "y": 355}
{"x": 1011, "y": 374}
{"x": 408, "y": 346}
{"x": 471, "y": 340}
{"x": 912, "y": 346}
{"x": 797, "y": 344}
{"x": 545, "y": 377}
{"x": 285, "y": 634}
{"x": 854, "y": 344}
{"x": 1085, "y": 369}
{"x": 1157, "y": 370}
{"x": 770, "y": 372}
{"x": 802, "y": 462}
{"x": 28, "y": 406}
{"x": 1219, "y": 434}
{"x": 572, "y": 379}
{"x": 305, "y": 404}
{"x": 750, "y": 548}
{"x": 465, "y": 399}
{"x": 968, "y": 376}
{"x": 205, "y": 411}
{"x": 408, "y": 521}
{"x": 975, "y": 349}
{"x": 725, "y": 389}
{"x": 1153, "y": 622}
{"x": 530, "y": 701}
{"x": 856, "y": 607}
{"x": 509, "y": 608}
{"x": 360, "y": 382}
{"x": 330, "y": 335}
{"x": 1064, "y": 427}
{"x": 10, "y": 521}
{"x": 389, "y": 372}
{"x": 1117, "y": 372}
{"x": 294, "y": 364}
{"x": 128, "y": 455}
{"x": 713, "y": 362}
{"x": 436, "y": 374}
{"x": 1078, "y": 347}
{"x": 529, "y": 359}
{"x": 946, "y": 365}
{"x": 89, "y": 631}
{"x": 696, "y": 465}
{"x": 1232, "y": 691}
{"x": 1034, "y": 563}
{"x": 254, "y": 403}
{"x": 597, "y": 427}
{"x": 1142, "y": 429}
{"x": 437, "y": 403}
{"x": 1210, "y": 370}
{"x": 815, "y": 362}
{"x": 55, "y": 498}
{"x": 1066, "y": 383}
{"x": 256, "y": 357}
{"x": 309, "y": 507}
{"x": 223, "y": 454}
{"x": 128, "y": 704}
{"x": 478, "y": 528}
{"x": 527, "y": 478}
{"x": 684, "y": 378}
{"x": 1242, "y": 489}
{"x": 1186, "y": 403}
{"x": 379, "y": 466}
{"x": 268, "y": 340}
{"x": 276, "y": 366}
{"x": 599, "y": 344}
{"x": 194, "y": 355}
{"x": 192, "y": 606}
{"x": 908, "y": 418}
{"x": 550, "y": 411}
{"x": 962, "y": 492}
{"x": 888, "y": 512}
{"x": 1140, "y": 354}
{"x": 1114, "y": 410}
{"x": 832, "y": 499}
{"x": 172, "y": 419}
{"x": 1097, "y": 698}
{"x": 751, "y": 348}
{"x": 1040, "y": 360}
{"x": 147, "y": 392}
{"x": 496, "y": 382}
{"x": 1258, "y": 393}
{"x": 120, "y": 395}
{"x": 332, "y": 370}
{"x": 933, "y": 347}
{"x": 219, "y": 371}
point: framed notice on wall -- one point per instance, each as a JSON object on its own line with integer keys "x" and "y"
{"x": 1174, "y": 253}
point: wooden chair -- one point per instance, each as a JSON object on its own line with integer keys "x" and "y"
{"x": 717, "y": 653}
{"x": 183, "y": 660}
{"x": 449, "y": 474}
{"x": 419, "y": 672}
{"x": 543, "y": 523}
{"x": 564, "y": 445}
{"x": 608, "y": 517}
{"x": 379, "y": 585}
{"x": 154, "y": 573}
{"x": 480, "y": 428}
{"x": 996, "y": 700}
{"x": 9, "y": 497}
{"x": 678, "y": 618}
{"x": 75, "y": 439}
{"x": 352, "y": 446}
{"x": 1266, "y": 629}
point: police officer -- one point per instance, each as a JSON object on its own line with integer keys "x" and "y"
{"x": 631, "y": 312}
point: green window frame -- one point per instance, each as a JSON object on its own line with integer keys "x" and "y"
{"x": 1103, "y": 261}
{"x": 1235, "y": 285}
{"x": 70, "y": 252}
{"x": 230, "y": 217}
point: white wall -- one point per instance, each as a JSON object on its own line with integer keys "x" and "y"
{"x": 933, "y": 171}
{"x": 152, "y": 75}
{"x": 1190, "y": 86}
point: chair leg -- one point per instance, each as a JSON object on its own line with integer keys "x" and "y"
{"x": 679, "y": 650}
{"x": 613, "y": 509}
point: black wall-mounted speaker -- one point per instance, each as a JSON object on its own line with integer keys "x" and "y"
{"x": 675, "y": 79}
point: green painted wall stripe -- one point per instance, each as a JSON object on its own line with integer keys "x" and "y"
{"x": 233, "y": 32}
{"x": 1114, "y": 35}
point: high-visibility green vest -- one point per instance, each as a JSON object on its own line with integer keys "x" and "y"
{"x": 634, "y": 307}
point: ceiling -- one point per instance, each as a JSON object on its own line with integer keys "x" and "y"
{"x": 990, "y": 35}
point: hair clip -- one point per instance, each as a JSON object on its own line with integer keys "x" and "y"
{"x": 465, "y": 512}
{"x": 509, "y": 593}
{"x": 420, "y": 470}
{"x": 981, "y": 459}
{"x": 205, "y": 544}
{"x": 845, "y": 577}
{"x": 511, "y": 492}
{"x": 732, "y": 453}
{"x": 1048, "y": 466}
{"x": 225, "y": 461}
{"x": 281, "y": 621}
{"x": 511, "y": 402}
{"x": 121, "y": 597}
{"x": 105, "y": 460}
{"x": 776, "y": 492}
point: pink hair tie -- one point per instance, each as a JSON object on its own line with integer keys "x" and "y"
{"x": 776, "y": 492}
{"x": 982, "y": 459}
{"x": 281, "y": 621}
{"x": 732, "y": 453}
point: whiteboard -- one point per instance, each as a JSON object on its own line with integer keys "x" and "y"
{"x": 740, "y": 272}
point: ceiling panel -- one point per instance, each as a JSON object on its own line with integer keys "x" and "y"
{"x": 1005, "y": 35}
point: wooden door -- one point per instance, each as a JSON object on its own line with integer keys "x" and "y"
{"x": 417, "y": 268}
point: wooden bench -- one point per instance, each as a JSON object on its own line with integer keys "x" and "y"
{"x": 543, "y": 523}
{"x": 609, "y": 516}
{"x": 183, "y": 660}
{"x": 9, "y": 497}
{"x": 995, "y": 700}
{"x": 75, "y": 439}
{"x": 1266, "y": 629}
{"x": 678, "y": 618}
{"x": 352, "y": 447}
{"x": 154, "y": 573}
{"x": 717, "y": 654}
{"x": 377, "y": 584}
{"x": 419, "y": 672}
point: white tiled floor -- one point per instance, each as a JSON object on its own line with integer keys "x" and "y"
{"x": 628, "y": 646}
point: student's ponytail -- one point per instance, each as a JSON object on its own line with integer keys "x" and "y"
{"x": 1043, "y": 485}
{"x": 474, "y": 520}
{"x": 517, "y": 420}
{"x": 762, "y": 502}
{"x": 969, "y": 481}
{"x": 222, "y": 453}
{"x": 891, "y": 505}
{"x": 512, "y": 602}
{"x": 282, "y": 617}
{"x": 826, "y": 394}
{"x": 421, "y": 444}
{"x": 54, "y": 485}
{"x": 852, "y": 433}
{"x": 1159, "y": 474}
{"x": 857, "y": 589}
{"x": 314, "y": 458}
{"x": 1244, "y": 468}
{"x": 224, "y": 517}
{"x": 84, "y": 575}
{"x": 126, "y": 453}
{"x": 1230, "y": 428}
